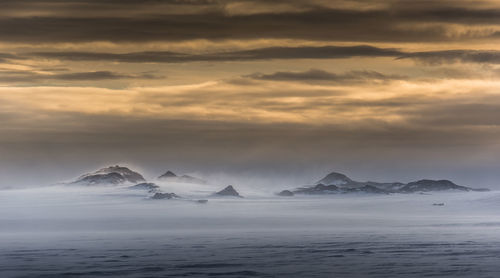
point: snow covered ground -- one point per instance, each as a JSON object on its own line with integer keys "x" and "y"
{"x": 61, "y": 229}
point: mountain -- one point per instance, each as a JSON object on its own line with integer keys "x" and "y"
{"x": 111, "y": 175}
{"x": 168, "y": 174}
{"x": 285, "y": 193}
{"x": 228, "y": 191}
{"x": 162, "y": 196}
{"x": 333, "y": 189}
{"x": 335, "y": 183}
{"x": 388, "y": 186}
{"x": 335, "y": 178}
{"x": 150, "y": 187}
{"x": 318, "y": 189}
{"x": 172, "y": 177}
{"x": 432, "y": 185}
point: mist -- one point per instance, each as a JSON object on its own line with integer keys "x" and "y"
{"x": 58, "y": 230}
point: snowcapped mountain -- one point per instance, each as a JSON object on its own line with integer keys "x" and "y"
{"x": 432, "y": 185}
{"x": 334, "y": 183}
{"x": 110, "y": 175}
{"x": 170, "y": 176}
{"x": 167, "y": 175}
{"x": 228, "y": 191}
{"x": 335, "y": 178}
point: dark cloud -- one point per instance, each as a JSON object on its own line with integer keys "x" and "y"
{"x": 98, "y": 75}
{"x": 134, "y": 57}
{"x": 55, "y": 69}
{"x": 41, "y": 4}
{"x": 321, "y": 23}
{"x": 31, "y": 76}
{"x": 94, "y": 8}
{"x": 7, "y": 57}
{"x": 321, "y": 75}
{"x": 305, "y": 52}
{"x": 309, "y": 52}
{"x": 323, "y": 52}
{"x": 452, "y": 56}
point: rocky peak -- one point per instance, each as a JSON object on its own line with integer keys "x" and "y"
{"x": 168, "y": 174}
{"x": 432, "y": 185}
{"x": 163, "y": 196}
{"x": 171, "y": 177}
{"x": 110, "y": 175}
{"x": 151, "y": 187}
{"x": 228, "y": 191}
{"x": 335, "y": 178}
{"x": 286, "y": 193}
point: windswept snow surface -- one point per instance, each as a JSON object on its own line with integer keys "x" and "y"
{"x": 114, "y": 231}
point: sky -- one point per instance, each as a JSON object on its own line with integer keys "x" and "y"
{"x": 283, "y": 91}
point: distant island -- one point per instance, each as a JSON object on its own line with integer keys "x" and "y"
{"x": 110, "y": 175}
{"x": 333, "y": 183}
{"x": 337, "y": 183}
{"x": 119, "y": 175}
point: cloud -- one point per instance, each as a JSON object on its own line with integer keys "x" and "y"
{"x": 99, "y": 75}
{"x": 267, "y": 53}
{"x": 80, "y": 127}
{"x": 305, "y": 52}
{"x": 266, "y": 102}
{"x": 453, "y": 56}
{"x": 216, "y": 22}
{"x": 17, "y": 76}
{"x": 7, "y": 57}
{"x": 406, "y": 122}
{"x": 484, "y": 113}
{"x": 396, "y": 110}
{"x": 313, "y": 75}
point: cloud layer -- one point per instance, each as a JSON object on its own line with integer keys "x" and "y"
{"x": 393, "y": 88}
{"x": 136, "y": 21}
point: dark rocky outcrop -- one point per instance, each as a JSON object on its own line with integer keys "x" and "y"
{"x": 318, "y": 189}
{"x": 228, "y": 191}
{"x": 162, "y": 196}
{"x": 335, "y": 183}
{"x": 95, "y": 179}
{"x": 168, "y": 174}
{"x": 367, "y": 189}
{"x": 333, "y": 189}
{"x": 111, "y": 175}
{"x": 172, "y": 177}
{"x": 431, "y": 185}
{"x": 286, "y": 193}
{"x": 335, "y": 178}
{"x": 480, "y": 189}
{"x": 150, "y": 187}
{"x": 387, "y": 186}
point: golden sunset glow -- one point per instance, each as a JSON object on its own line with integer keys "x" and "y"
{"x": 386, "y": 77}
